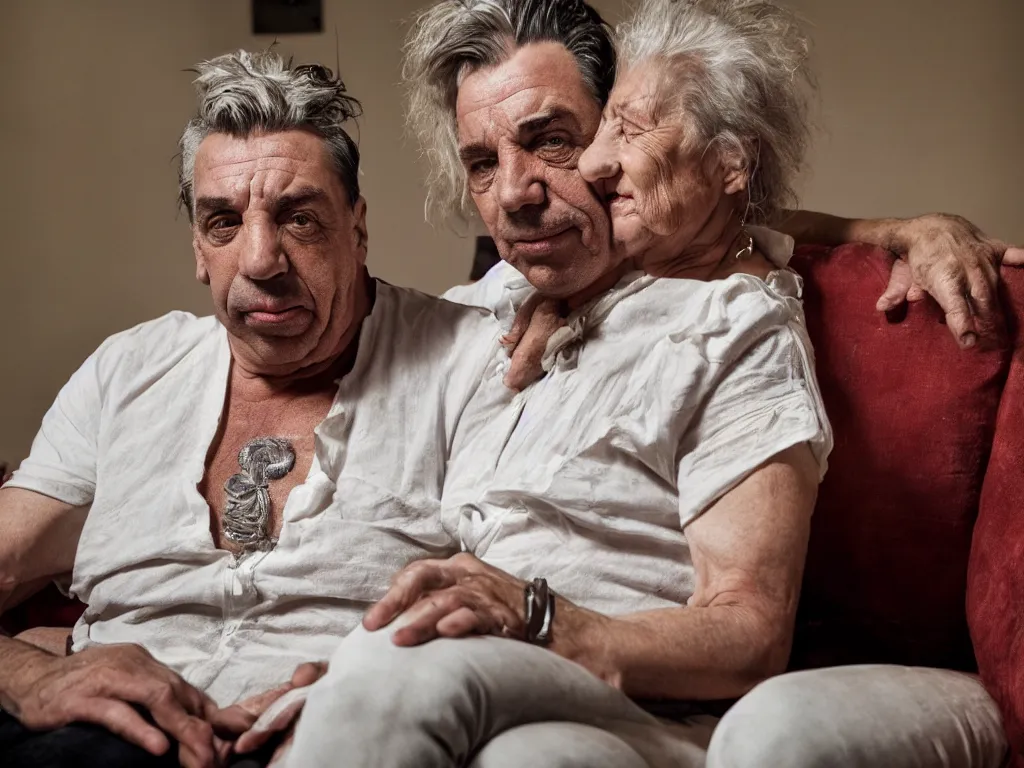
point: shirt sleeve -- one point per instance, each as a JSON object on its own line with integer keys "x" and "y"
{"x": 761, "y": 402}
{"x": 501, "y": 291}
{"x": 62, "y": 463}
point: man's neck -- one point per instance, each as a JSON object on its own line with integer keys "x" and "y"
{"x": 318, "y": 375}
{"x": 604, "y": 283}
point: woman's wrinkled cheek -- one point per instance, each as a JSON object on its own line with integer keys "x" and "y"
{"x": 660, "y": 204}
{"x": 668, "y": 201}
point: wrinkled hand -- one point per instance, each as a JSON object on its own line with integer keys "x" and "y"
{"x": 950, "y": 259}
{"x": 537, "y": 319}
{"x": 99, "y": 685}
{"x": 278, "y": 710}
{"x": 450, "y": 598}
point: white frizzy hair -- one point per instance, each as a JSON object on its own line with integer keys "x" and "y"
{"x": 245, "y": 93}
{"x": 741, "y": 67}
{"x": 452, "y": 38}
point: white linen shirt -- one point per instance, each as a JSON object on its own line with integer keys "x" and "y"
{"x": 129, "y": 435}
{"x": 661, "y": 396}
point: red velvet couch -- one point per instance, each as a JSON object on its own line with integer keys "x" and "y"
{"x": 929, "y": 456}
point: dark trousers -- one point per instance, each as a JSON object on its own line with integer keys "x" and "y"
{"x": 78, "y": 745}
{"x": 81, "y": 745}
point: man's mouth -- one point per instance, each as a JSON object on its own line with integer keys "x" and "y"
{"x": 274, "y": 315}
{"x": 541, "y": 237}
{"x": 541, "y": 246}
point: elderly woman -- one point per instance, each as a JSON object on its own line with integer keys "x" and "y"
{"x": 661, "y": 478}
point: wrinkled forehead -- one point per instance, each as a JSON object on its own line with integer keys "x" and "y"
{"x": 538, "y": 79}
{"x": 262, "y": 166}
{"x": 656, "y": 88}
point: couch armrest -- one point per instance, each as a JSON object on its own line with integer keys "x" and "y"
{"x": 995, "y": 589}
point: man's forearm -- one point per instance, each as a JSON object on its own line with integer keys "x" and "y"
{"x": 811, "y": 228}
{"x": 18, "y": 661}
{"x": 713, "y": 652}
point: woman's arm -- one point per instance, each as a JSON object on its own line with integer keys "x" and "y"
{"x": 748, "y": 550}
{"x": 944, "y": 256}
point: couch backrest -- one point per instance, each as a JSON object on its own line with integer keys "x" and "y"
{"x": 914, "y": 418}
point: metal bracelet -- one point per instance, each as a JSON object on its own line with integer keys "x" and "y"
{"x": 539, "y": 610}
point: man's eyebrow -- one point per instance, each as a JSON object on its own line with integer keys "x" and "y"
{"x": 540, "y": 122}
{"x": 525, "y": 129}
{"x": 301, "y": 196}
{"x": 471, "y": 152}
{"x": 208, "y": 205}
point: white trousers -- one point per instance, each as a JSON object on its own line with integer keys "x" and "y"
{"x": 488, "y": 702}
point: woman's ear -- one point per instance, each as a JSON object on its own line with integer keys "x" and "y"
{"x": 738, "y": 164}
{"x": 736, "y": 176}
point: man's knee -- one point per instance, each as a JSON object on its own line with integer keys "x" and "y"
{"x": 557, "y": 745}
{"x": 773, "y": 725}
{"x": 369, "y": 675}
{"x": 364, "y": 657}
{"x": 866, "y": 715}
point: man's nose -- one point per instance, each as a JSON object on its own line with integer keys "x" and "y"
{"x": 262, "y": 256}
{"x": 599, "y": 160}
{"x": 519, "y": 182}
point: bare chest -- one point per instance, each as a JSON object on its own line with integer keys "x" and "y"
{"x": 261, "y": 452}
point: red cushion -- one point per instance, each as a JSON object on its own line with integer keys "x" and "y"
{"x": 48, "y": 608}
{"x": 913, "y": 417}
{"x": 995, "y": 596}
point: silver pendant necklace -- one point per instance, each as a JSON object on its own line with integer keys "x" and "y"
{"x": 247, "y": 513}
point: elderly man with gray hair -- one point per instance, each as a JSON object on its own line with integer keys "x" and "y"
{"x": 228, "y": 494}
{"x": 642, "y": 511}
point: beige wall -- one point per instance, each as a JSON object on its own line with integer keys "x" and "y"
{"x": 922, "y": 109}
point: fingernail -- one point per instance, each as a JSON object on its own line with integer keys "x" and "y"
{"x": 969, "y": 340}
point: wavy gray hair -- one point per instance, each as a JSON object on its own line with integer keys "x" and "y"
{"x": 455, "y": 37}
{"x": 245, "y": 93}
{"x": 743, "y": 67}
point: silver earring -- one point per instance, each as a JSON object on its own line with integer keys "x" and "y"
{"x": 747, "y": 250}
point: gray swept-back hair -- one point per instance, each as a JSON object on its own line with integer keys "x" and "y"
{"x": 455, "y": 37}
{"x": 245, "y": 93}
{"x": 741, "y": 69}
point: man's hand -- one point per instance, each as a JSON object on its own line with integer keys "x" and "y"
{"x": 277, "y": 710}
{"x": 950, "y": 259}
{"x": 450, "y": 598}
{"x": 99, "y": 685}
